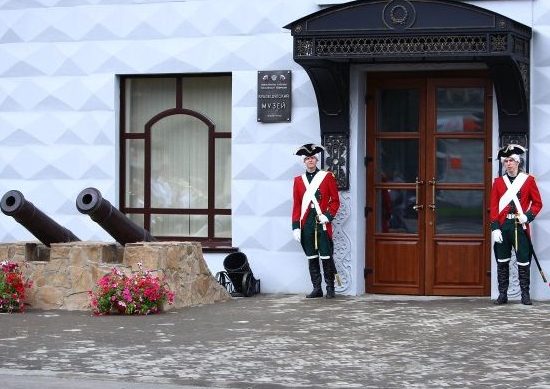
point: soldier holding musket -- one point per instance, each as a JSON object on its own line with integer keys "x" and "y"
{"x": 515, "y": 202}
{"x": 315, "y": 205}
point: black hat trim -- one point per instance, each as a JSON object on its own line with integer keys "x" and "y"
{"x": 309, "y": 150}
{"x": 510, "y": 149}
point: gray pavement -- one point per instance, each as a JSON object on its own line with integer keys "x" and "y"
{"x": 284, "y": 341}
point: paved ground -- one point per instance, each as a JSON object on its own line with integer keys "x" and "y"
{"x": 287, "y": 341}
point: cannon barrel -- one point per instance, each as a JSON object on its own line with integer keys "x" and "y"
{"x": 120, "y": 227}
{"x": 45, "y": 229}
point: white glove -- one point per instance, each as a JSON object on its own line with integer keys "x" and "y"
{"x": 297, "y": 234}
{"x": 497, "y": 236}
{"x": 323, "y": 219}
{"x": 522, "y": 218}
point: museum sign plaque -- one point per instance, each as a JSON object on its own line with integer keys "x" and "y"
{"x": 274, "y": 92}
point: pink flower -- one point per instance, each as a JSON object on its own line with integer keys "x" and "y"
{"x": 127, "y": 295}
{"x": 12, "y": 287}
{"x": 140, "y": 293}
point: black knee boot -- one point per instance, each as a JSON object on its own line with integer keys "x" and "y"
{"x": 524, "y": 281}
{"x": 328, "y": 272}
{"x": 503, "y": 278}
{"x": 315, "y": 274}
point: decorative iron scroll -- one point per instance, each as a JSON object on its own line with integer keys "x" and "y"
{"x": 517, "y": 139}
{"x": 499, "y": 42}
{"x": 304, "y": 47}
{"x": 342, "y": 244}
{"x": 524, "y": 72}
{"x": 424, "y": 45}
{"x": 337, "y": 158}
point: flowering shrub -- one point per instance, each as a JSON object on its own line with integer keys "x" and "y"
{"x": 12, "y": 287}
{"x": 141, "y": 293}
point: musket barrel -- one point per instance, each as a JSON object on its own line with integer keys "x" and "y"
{"x": 45, "y": 229}
{"x": 121, "y": 228}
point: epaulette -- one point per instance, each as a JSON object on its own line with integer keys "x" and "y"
{"x": 329, "y": 171}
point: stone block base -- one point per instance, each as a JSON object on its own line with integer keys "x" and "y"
{"x": 64, "y": 274}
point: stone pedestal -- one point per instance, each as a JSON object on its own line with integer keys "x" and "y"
{"x": 62, "y": 279}
{"x": 182, "y": 266}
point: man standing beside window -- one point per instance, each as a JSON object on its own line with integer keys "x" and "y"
{"x": 315, "y": 204}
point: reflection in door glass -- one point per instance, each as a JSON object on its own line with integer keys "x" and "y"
{"x": 395, "y": 211}
{"x": 460, "y": 110}
{"x": 398, "y": 110}
{"x": 460, "y": 160}
{"x": 397, "y": 160}
{"x": 459, "y": 212}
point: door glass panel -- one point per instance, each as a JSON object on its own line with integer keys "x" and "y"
{"x": 460, "y": 110}
{"x": 460, "y": 160}
{"x": 397, "y": 160}
{"x": 395, "y": 211}
{"x": 459, "y": 212}
{"x": 398, "y": 110}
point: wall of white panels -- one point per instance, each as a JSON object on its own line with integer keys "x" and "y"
{"x": 59, "y": 123}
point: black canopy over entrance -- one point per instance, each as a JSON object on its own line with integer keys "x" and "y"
{"x": 409, "y": 31}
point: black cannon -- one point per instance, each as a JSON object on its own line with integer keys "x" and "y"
{"x": 238, "y": 278}
{"x": 120, "y": 227}
{"x": 39, "y": 224}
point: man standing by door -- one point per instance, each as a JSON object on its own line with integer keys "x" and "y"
{"x": 515, "y": 202}
{"x": 315, "y": 203}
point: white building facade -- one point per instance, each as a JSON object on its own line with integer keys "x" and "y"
{"x": 66, "y": 103}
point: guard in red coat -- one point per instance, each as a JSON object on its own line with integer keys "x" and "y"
{"x": 315, "y": 205}
{"x": 515, "y": 202}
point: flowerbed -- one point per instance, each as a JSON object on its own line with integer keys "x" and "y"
{"x": 140, "y": 293}
{"x": 12, "y": 287}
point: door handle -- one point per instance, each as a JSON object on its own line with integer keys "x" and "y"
{"x": 417, "y": 206}
{"x": 432, "y": 182}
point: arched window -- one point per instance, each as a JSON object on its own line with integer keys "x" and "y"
{"x": 176, "y": 153}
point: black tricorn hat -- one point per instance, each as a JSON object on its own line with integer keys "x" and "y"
{"x": 510, "y": 149}
{"x": 309, "y": 150}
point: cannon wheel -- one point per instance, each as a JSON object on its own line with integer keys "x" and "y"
{"x": 248, "y": 284}
{"x": 224, "y": 281}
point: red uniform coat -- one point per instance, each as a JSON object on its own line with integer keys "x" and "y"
{"x": 329, "y": 202}
{"x": 529, "y": 199}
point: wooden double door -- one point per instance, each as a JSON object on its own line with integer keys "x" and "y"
{"x": 428, "y": 184}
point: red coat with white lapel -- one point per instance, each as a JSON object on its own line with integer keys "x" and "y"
{"x": 329, "y": 203}
{"x": 529, "y": 199}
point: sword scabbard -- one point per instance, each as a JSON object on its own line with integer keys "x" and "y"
{"x": 316, "y": 245}
{"x": 516, "y": 236}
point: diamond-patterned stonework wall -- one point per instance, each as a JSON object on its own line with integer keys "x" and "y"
{"x": 59, "y": 120}
{"x": 59, "y": 99}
